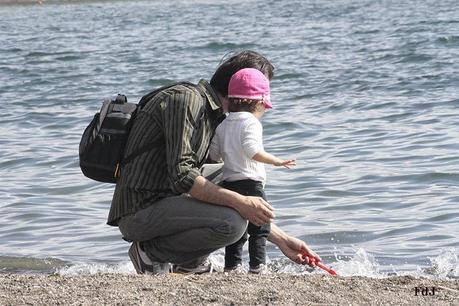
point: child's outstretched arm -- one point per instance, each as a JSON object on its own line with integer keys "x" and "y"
{"x": 265, "y": 157}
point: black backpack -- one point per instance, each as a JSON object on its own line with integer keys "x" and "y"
{"x": 102, "y": 145}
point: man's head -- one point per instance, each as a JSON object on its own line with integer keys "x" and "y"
{"x": 245, "y": 59}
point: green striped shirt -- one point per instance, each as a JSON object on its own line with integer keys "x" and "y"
{"x": 185, "y": 120}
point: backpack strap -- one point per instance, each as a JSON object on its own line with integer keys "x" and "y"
{"x": 103, "y": 113}
{"x": 143, "y": 101}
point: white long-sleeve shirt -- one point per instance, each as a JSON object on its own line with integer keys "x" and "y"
{"x": 237, "y": 139}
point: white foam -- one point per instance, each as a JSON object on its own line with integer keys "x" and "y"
{"x": 82, "y": 269}
{"x": 361, "y": 264}
{"x": 217, "y": 260}
{"x": 446, "y": 264}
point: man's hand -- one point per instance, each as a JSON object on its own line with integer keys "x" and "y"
{"x": 294, "y": 248}
{"x": 256, "y": 210}
{"x": 299, "y": 252}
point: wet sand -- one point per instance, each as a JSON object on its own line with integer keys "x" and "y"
{"x": 224, "y": 289}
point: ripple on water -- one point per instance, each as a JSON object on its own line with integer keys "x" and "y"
{"x": 372, "y": 122}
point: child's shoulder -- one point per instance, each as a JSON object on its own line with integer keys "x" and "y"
{"x": 242, "y": 119}
{"x": 252, "y": 120}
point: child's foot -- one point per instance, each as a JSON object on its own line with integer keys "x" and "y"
{"x": 260, "y": 269}
{"x": 238, "y": 269}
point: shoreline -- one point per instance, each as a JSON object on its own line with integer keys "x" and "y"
{"x": 224, "y": 289}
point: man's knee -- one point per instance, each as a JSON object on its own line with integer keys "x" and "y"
{"x": 233, "y": 227}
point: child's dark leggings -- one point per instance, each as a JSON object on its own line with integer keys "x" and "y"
{"x": 258, "y": 234}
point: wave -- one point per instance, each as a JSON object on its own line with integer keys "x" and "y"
{"x": 29, "y": 264}
{"x": 361, "y": 263}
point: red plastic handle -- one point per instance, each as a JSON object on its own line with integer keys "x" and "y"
{"x": 322, "y": 266}
{"x": 329, "y": 270}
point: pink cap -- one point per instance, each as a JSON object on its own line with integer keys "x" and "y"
{"x": 250, "y": 83}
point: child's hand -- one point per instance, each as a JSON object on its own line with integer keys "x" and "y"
{"x": 286, "y": 163}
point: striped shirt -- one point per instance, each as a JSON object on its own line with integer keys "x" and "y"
{"x": 186, "y": 120}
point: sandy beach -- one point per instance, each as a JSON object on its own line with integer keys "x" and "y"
{"x": 224, "y": 289}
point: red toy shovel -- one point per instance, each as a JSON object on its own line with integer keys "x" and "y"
{"x": 322, "y": 266}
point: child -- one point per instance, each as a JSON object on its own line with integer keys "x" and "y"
{"x": 238, "y": 141}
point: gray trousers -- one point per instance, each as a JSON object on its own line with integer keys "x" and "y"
{"x": 183, "y": 230}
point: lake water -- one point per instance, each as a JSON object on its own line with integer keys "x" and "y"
{"x": 366, "y": 98}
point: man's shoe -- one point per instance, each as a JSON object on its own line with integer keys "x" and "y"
{"x": 143, "y": 265}
{"x": 238, "y": 269}
{"x": 260, "y": 269}
{"x": 204, "y": 267}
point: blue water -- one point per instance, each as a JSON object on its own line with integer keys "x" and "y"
{"x": 366, "y": 98}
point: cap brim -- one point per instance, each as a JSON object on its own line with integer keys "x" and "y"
{"x": 267, "y": 104}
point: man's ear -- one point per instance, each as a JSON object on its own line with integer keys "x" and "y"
{"x": 225, "y": 103}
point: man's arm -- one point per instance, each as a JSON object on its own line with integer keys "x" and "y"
{"x": 294, "y": 248}
{"x": 254, "y": 209}
{"x": 180, "y": 109}
{"x": 257, "y": 211}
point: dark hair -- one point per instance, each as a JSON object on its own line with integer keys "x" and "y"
{"x": 244, "y": 59}
{"x": 242, "y": 105}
